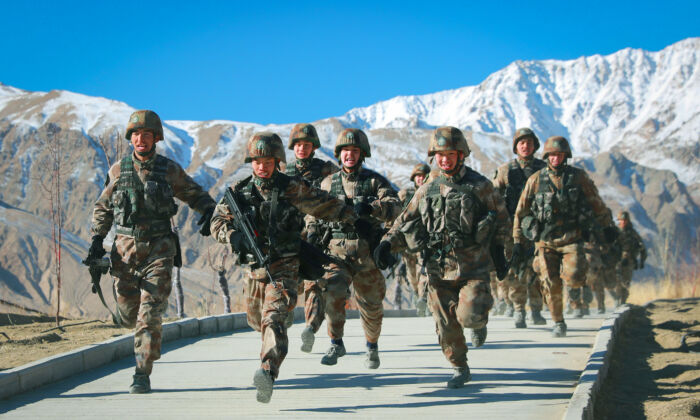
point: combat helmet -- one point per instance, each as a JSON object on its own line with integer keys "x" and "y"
{"x": 145, "y": 119}
{"x": 557, "y": 144}
{"x": 352, "y": 137}
{"x": 448, "y": 138}
{"x": 305, "y": 132}
{"x": 420, "y": 169}
{"x": 623, "y": 215}
{"x": 265, "y": 144}
{"x": 522, "y": 133}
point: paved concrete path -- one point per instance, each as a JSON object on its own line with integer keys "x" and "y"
{"x": 518, "y": 374}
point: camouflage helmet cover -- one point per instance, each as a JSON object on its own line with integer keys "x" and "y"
{"x": 145, "y": 119}
{"x": 523, "y": 133}
{"x": 623, "y": 215}
{"x": 448, "y": 138}
{"x": 421, "y": 169}
{"x": 305, "y": 132}
{"x": 352, "y": 137}
{"x": 265, "y": 144}
{"x": 557, "y": 144}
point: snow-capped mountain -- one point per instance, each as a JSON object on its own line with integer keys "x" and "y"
{"x": 632, "y": 117}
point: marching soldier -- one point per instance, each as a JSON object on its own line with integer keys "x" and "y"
{"x": 463, "y": 222}
{"x": 138, "y": 200}
{"x": 632, "y": 247}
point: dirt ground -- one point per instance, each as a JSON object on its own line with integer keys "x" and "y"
{"x": 652, "y": 376}
{"x": 26, "y": 338}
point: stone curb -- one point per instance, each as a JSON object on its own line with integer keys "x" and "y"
{"x": 54, "y": 368}
{"x": 582, "y": 403}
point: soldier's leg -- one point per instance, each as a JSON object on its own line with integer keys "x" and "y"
{"x": 397, "y": 292}
{"x": 128, "y": 293}
{"x": 474, "y": 303}
{"x": 313, "y": 305}
{"x": 254, "y": 297}
{"x": 335, "y": 295}
{"x": 574, "y": 267}
{"x": 411, "y": 262}
{"x": 370, "y": 289}
{"x": 444, "y": 297}
{"x": 547, "y": 265}
{"x": 625, "y": 280}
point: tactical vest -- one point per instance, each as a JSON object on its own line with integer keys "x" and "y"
{"x": 275, "y": 218}
{"x": 410, "y": 192}
{"x": 628, "y": 243}
{"x": 364, "y": 192}
{"x": 517, "y": 177}
{"x": 315, "y": 171}
{"x": 143, "y": 210}
{"x": 558, "y": 211}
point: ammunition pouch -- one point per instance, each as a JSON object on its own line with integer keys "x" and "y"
{"x": 530, "y": 228}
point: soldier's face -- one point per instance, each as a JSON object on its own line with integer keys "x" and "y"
{"x": 142, "y": 140}
{"x": 350, "y": 156}
{"x": 419, "y": 179}
{"x": 264, "y": 167}
{"x": 623, "y": 223}
{"x": 447, "y": 160}
{"x": 525, "y": 147}
{"x": 556, "y": 158}
{"x": 303, "y": 149}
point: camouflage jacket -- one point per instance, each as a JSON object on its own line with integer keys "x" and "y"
{"x": 314, "y": 172}
{"x": 181, "y": 186}
{"x": 563, "y": 202}
{"x": 295, "y": 195}
{"x": 406, "y": 194}
{"x": 454, "y": 220}
{"x": 510, "y": 179}
{"x": 630, "y": 244}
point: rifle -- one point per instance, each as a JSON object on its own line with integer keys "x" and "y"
{"x": 97, "y": 268}
{"x": 250, "y": 234}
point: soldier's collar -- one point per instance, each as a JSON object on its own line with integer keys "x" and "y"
{"x": 148, "y": 163}
{"x": 556, "y": 171}
{"x": 456, "y": 175}
{"x": 303, "y": 164}
{"x": 526, "y": 161}
{"x": 352, "y": 176}
{"x": 265, "y": 183}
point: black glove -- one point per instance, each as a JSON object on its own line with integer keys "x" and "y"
{"x": 96, "y": 250}
{"x": 363, "y": 228}
{"x": 205, "y": 222}
{"x": 499, "y": 261}
{"x": 517, "y": 255}
{"x": 363, "y": 209}
{"x": 610, "y": 234}
{"x": 383, "y": 257}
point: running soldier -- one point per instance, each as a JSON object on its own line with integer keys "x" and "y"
{"x": 304, "y": 141}
{"x": 138, "y": 200}
{"x": 632, "y": 247}
{"x": 554, "y": 210}
{"x": 460, "y": 218}
{"x": 521, "y": 282}
{"x": 271, "y": 201}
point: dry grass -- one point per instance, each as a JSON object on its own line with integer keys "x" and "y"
{"x": 668, "y": 288}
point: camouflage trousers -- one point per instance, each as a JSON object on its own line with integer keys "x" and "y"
{"x": 522, "y": 287}
{"x": 558, "y": 265}
{"x": 143, "y": 281}
{"x": 499, "y": 289}
{"x": 409, "y": 275}
{"x": 457, "y": 305}
{"x": 267, "y": 306}
{"x": 625, "y": 268}
{"x": 314, "y": 307}
{"x": 367, "y": 282}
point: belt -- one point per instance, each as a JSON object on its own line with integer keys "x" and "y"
{"x": 146, "y": 231}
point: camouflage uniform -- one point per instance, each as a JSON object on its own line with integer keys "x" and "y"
{"x": 138, "y": 199}
{"x": 632, "y": 247}
{"x": 554, "y": 204}
{"x": 268, "y": 303}
{"x": 312, "y": 170}
{"x": 454, "y": 216}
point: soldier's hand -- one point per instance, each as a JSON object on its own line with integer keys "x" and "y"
{"x": 363, "y": 228}
{"x": 610, "y": 234}
{"x": 517, "y": 255}
{"x": 363, "y": 209}
{"x": 383, "y": 257}
{"x": 205, "y": 222}
{"x": 238, "y": 243}
{"x": 96, "y": 250}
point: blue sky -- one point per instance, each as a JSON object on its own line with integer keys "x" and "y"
{"x": 287, "y": 62}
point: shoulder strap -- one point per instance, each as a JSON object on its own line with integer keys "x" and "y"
{"x": 337, "y": 185}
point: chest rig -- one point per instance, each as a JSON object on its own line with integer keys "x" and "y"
{"x": 558, "y": 210}
{"x": 364, "y": 192}
{"x": 275, "y": 218}
{"x": 517, "y": 177}
{"x": 313, "y": 173}
{"x": 143, "y": 209}
{"x": 410, "y": 192}
{"x": 628, "y": 242}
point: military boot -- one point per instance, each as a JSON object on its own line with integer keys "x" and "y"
{"x": 578, "y": 313}
{"x": 585, "y": 311}
{"x": 569, "y": 309}
{"x": 332, "y": 354}
{"x": 307, "y": 339}
{"x": 478, "y": 336}
{"x": 459, "y": 378}
{"x": 141, "y": 384}
{"x": 559, "y": 329}
{"x": 510, "y": 310}
{"x": 537, "y": 318}
{"x": 520, "y": 319}
{"x": 372, "y": 360}
{"x": 421, "y": 307}
{"x": 263, "y": 383}
{"x": 501, "y": 307}
{"x": 601, "y": 307}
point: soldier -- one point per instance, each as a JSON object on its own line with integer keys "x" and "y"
{"x": 375, "y": 201}
{"x": 632, "y": 246}
{"x": 460, "y": 218}
{"x": 272, "y": 199}
{"x": 138, "y": 199}
{"x": 553, "y": 212}
{"x": 411, "y": 263}
{"x": 304, "y": 141}
{"x": 521, "y": 283}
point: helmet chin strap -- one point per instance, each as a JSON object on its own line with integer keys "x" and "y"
{"x": 357, "y": 165}
{"x": 149, "y": 153}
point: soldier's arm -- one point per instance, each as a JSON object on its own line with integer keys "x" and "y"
{"x": 523, "y": 208}
{"x": 328, "y": 169}
{"x": 318, "y": 203}
{"x": 408, "y": 222}
{"x": 222, "y": 223}
{"x": 600, "y": 211}
{"x": 103, "y": 212}
{"x": 500, "y": 179}
{"x": 640, "y": 244}
{"x": 187, "y": 190}
{"x": 494, "y": 202}
{"x": 387, "y": 205}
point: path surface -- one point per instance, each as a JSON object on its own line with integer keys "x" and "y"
{"x": 517, "y": 374}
